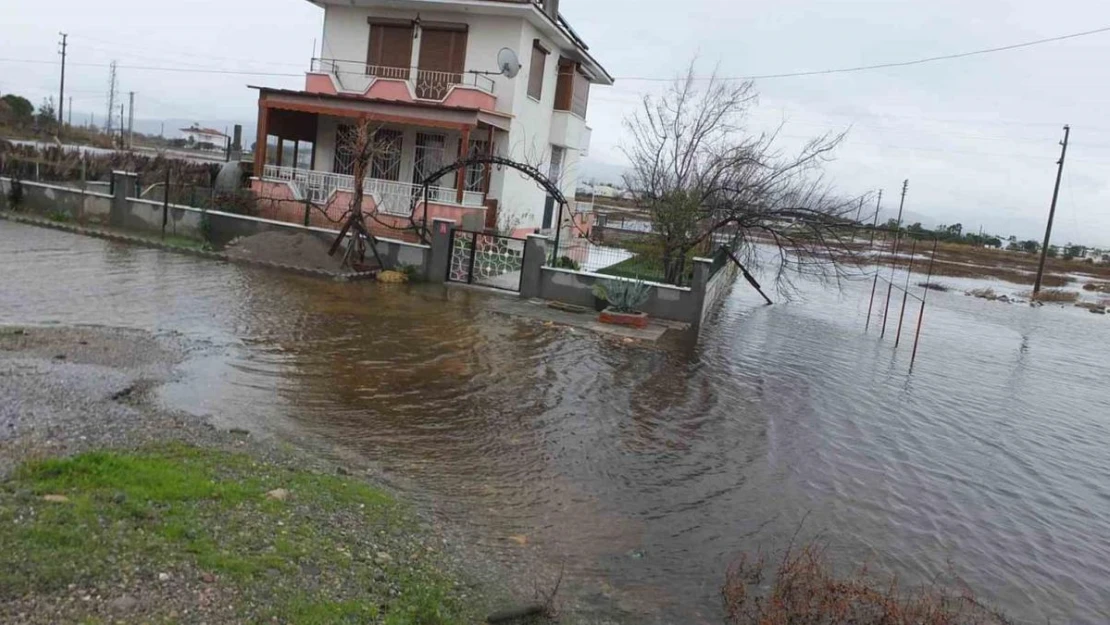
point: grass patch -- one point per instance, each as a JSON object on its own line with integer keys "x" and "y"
{"x": 803, "y": 588}
{"x": 186, "y": 243}
{"x": 639, "y": 266}
{"x": 335, "y": 550}
{"x": 59, "y": 216}
{"x": 1053, "y": 295}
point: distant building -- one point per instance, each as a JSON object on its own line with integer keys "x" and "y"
{"x": 204, "y": 136}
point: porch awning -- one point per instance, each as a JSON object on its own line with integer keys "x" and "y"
{"x": 384, "y": 111}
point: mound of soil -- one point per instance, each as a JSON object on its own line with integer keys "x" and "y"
{"x": 296, "y": 249}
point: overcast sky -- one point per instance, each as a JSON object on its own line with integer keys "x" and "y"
{"x": 977, "y": 137}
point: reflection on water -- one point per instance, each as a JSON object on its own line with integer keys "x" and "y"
{"x": 647, "y": 469}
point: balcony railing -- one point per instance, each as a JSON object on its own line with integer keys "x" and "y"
{"x": 392, "y": 198}
{"x": 427, "y": 84}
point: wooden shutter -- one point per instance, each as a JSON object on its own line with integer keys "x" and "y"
{"x": 443, "y": 50}
{"x": 564, "y": 85}
{"x": 536, "y": 70}
{"x": 390, "y": 46}
{"x": 581, "y": 100}
{"x": 442, "y": 60}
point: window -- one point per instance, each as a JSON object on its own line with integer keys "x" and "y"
{"x": 442, "y": 59}
{"x": 344, "y": 162}
{"x": 536, "y": 70}
{"x": 386, "y": 161}
{"x": 431, "y": 152}
{"x": 390, "y": 54}
{"x": 555, "y": 172}
{"x": 572, "y": 88}
{"x": 476, "y": 174}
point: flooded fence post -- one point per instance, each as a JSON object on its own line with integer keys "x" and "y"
{"x": 166, "y": 203}
{"x": 905, "y": 296}
{"x": 924, "y": 294}
{"x": 307, "y": 208}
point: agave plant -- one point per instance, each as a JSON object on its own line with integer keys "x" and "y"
{"x": 625, "y": 296}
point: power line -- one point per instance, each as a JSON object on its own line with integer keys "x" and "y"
{"x": 159, "y": 69}
{"x": 863, "y": 68}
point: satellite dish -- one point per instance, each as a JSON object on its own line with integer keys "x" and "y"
{"x": 508, "y": 62}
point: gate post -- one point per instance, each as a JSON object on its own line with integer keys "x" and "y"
{"x": 443, "y": 230}
{"x": 531, "y": 270}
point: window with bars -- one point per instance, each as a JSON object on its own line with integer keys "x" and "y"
{"x": 344, "y": 161}
{"x": 386, "y": 161}
{"x": 476, "y": 174}
{"x": 431, "y": 154}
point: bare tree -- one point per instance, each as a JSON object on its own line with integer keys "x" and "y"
{"x": 704, "y": 177}
{"x": 367, "y": 146}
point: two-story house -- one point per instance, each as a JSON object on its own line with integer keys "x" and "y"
{"x": 425, "y": 73}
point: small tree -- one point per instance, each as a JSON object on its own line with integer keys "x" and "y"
{"x": 702, "y": 175}
{"x": 22, "y": 111}
{"x": 47, "y": 116}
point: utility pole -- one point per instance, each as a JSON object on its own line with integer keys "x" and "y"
{"x": 111, "y": 99}
{"x": 894, "y": 260}
{"x": 1052, "y": 211}
{"x": 121, "y": 124}
{"x": 131, "y": 120}
{"x": 70, "y": 116}
{"x": 62, "y": 89}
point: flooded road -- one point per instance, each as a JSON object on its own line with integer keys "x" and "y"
{"x": 645, "y": 470}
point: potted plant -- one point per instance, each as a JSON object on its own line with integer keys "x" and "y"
{"x": 601, "y": 297}
{"x": 624, "y": 298}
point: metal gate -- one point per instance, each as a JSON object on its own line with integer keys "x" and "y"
{"x": 487, "y": 259}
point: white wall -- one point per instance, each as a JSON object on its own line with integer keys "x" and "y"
{"x": 347, "y": 38}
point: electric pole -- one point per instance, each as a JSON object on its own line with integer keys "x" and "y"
{"x": 69, "y": 121}
{"x": 894, "y": 260}
{"x": 62, "y": 89}
{"x": 121, "y": 136}
{"x": 1052, "y": 211}
{"x": 111, "y": 99}
{"x": 131, "y": 120}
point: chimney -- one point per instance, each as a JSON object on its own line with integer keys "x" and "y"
{"x": 551, "y": 7}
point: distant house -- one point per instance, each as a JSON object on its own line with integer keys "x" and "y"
{"x": 205, "y": 138}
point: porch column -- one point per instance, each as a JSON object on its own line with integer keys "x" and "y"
{"x": 460, "y": 176}
{"x": 260, "y": 140}
{"x": 280, "y": 150}
{"x": 489, "y": 167}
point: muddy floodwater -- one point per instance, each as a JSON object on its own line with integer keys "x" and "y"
{"x": 643, "y": 470}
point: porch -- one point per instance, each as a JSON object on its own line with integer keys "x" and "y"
{"x": 308, "y": 159}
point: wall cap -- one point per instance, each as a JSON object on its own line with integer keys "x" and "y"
{"x": 683, "y": 289}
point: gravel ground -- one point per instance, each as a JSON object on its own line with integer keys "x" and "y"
{"x": 65, "y": 390}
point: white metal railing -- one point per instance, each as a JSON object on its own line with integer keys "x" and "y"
{"x": 427, "y": 84}
{"x": 391, "y": 197}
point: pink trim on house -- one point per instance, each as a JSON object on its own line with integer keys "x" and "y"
{"x": 384, "y": 89}
{"x": 319, "y": 83}
{"x": 463, "y": 97}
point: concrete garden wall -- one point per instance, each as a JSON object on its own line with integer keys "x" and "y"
{"x": 145, "y": 217}
{"x": 685, "y": 304}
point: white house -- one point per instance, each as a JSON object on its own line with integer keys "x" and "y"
{"x": 196, "y": 135}
{"x": 426, "y": 74}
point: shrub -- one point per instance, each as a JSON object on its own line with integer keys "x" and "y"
{"x": 58, "y": 216}
{"x": 1054, "y": 295}
{"x": 625, "y": 296}
{"x": 805, "y": 590}
{"x": 566, "y": 262}
{"x": 412, "y": 272}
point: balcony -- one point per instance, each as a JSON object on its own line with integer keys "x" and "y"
{"x": 570, "y": 131}
{"x": 401, "y": 83}
{"x": 390, "y": 197}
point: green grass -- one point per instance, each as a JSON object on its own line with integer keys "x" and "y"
{"x": 639, "y": 266}
{"x": 186, "y": 243}
{"x": 180, "y": 508}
